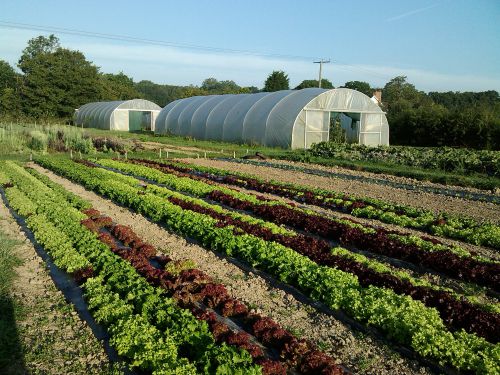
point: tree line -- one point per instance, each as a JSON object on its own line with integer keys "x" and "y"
{"x": 54, "y": 81}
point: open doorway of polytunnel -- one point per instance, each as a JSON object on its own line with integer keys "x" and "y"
{"x": 336, "y": 133}
{"x": 344, "y": 127}
{"x": 140, "y": 120}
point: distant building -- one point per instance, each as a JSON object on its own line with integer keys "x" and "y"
{"x": 377, "y": 97}
{"x": 126, "y": 115}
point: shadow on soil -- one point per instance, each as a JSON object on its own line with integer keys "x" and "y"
{"x": 11, "y": 351}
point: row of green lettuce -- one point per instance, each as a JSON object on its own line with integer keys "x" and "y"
{"x": 371, "y": 263}
{"x": 401, "y": 318}
{"x": 145, "y": 326}
{"x": 443, "y": 224}
{"x": 202, "y": 189}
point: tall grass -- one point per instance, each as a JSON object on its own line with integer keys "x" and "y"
{"x": 25, "y": 137}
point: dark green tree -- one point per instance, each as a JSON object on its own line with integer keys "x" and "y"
{"x": 10, "y": 103}
{"x": 276, "y": 81}
{"x": 56, "y": 80}
{"x": 251, "y": 89}
{"x": 36, "y": 46}
{"x": 8, "y": 76}
{"x": 457, "y": 99}
{"x": 189, "y": 91}
{"x": 159, "y": 94}
{"x": 360, "y": 86}
{"x": 398, "y": 88}
{"x": 164, "y": 94}
{"x": 325, "y": 84}
{"x": 118, "y": 87}
{"x": 213, "y": 86}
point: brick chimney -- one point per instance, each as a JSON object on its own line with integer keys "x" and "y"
{"x": 378, "y": 95}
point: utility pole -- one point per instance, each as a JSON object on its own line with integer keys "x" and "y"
{"x": 320, "y": 62}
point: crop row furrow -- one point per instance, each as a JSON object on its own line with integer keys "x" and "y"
{"x": 403, "y": 319}
{"x": 465, "y": 229}
{"x": 311, "y": 244}
{"x": 378, "y": 241}
{"x": 190, "y": 286}
{"x": 146, "y": 326}
{"x": 453, "y": 262}
{"x": 455, "y": 313}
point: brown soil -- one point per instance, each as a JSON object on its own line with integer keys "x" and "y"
{"x": 434, "y": 202}
{"x": 53, "y": 338}
{"x": 387, "y": 177}
{"x": 360, "y": 353}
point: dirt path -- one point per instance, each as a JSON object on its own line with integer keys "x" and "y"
{"x": 52, "y": 337}
{"x": 361, "y": 354}
{"x": 180, "y": 149}
{"x": 434, "y": 202}
{"x": 384, "y": 176}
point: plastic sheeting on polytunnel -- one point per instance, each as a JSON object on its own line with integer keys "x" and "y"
{"x": 288, "y": 118}
{"x": 118, "y": 115}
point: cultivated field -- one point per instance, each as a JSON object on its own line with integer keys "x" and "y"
{"x": 232, "y": 266}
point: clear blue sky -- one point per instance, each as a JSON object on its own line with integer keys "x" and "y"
{"x": 440, "y": 45}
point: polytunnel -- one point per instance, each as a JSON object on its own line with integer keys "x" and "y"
{"x": 126, "y": 115}
{"x": 288, "y": 118}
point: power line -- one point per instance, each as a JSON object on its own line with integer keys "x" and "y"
{"x": 125, "y": 38}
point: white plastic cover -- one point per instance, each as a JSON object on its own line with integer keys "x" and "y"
{"x": 255, "y": 122}
{"x": 113, "y": 115}
{"x": 200, "y": 115}
{"x": 216, "y": 118}
{"x": 233, "y": 124}
{"x": 184, "y": 120}
{"x": 288, "y": 118}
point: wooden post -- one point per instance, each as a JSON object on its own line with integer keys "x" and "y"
{"x": 247, "y": 151}
{"x": 71, "y": 153}
{"x": 167, "y": 154}
{"x": 126, "y": 155}
{"x": 234, "y": 154}
{"x": 205, "y": 154}
{"x": 31, "y": 156}
{"x": 160, "y": 152}
{"x": 80, "y": 154}
{"x": 197, "y": 156}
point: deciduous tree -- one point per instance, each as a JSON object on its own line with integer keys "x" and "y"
{"x": 56, "y": 80}
{"x": 325, "y": 84}
{"x": 8, "y": 75}
{"x": 360, "y": 86}
{"x": 276, "y": 81}
{"x": 118, "y": 87}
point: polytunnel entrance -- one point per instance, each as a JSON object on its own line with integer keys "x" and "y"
{"x": 339, "y": 126}
{"x": 140, "y": 120}
{"x": 317, "y": 127}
